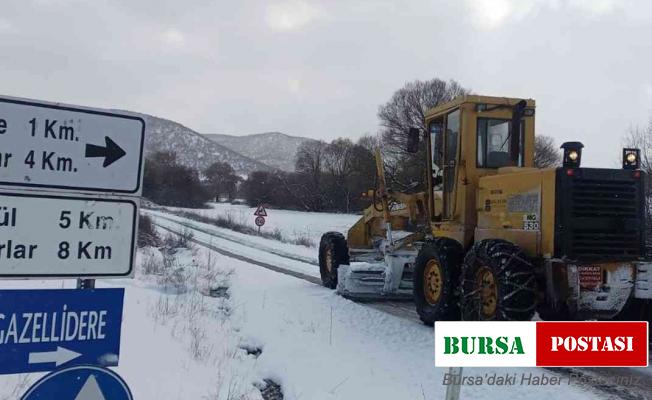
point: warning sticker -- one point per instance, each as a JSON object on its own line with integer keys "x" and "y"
{"x": 590, "y": 276}
{"x": 524, "y": 203}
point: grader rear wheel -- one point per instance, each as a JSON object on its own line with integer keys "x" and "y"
{"x": 485, "y": 284}
{"x": 498, "y": 283}
{"x": 433, "y": 282}
{"x": 436, "y": 275}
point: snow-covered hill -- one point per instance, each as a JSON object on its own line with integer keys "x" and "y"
{"x": 275, "y": 149}
{"x": 193, "y": 149}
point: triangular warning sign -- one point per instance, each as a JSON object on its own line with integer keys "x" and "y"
{"x": 90, "y": 391}
{"x": 260, "y": 211}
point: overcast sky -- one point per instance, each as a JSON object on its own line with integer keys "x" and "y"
{"x": 321, "y": 68}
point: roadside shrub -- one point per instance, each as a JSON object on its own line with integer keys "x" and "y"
{"x": 152, "y": 265}
{"x": 147, "y": 234}
{"x": 185, "y": 239}
{"x": 173, "y": 276}
{"x": 173, "y": 241}
{"x": 303, "y": 240}
{"x": 276, "y": 235}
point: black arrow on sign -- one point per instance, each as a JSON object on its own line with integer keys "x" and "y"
{"x": 111, "y": 152}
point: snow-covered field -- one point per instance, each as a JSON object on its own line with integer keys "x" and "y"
{"x": 291, "y": 224}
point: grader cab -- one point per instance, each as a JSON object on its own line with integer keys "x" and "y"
{"x": 493, "y": 237}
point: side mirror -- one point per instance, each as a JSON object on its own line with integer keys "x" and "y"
{"x": 413, "y": 140}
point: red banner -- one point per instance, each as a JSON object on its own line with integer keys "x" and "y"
{"x": 592, "y": 344}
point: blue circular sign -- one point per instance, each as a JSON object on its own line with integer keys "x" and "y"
{"x": 83, "y": 382}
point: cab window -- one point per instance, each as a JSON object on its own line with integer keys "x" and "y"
{"x": 436, "y": 144}
{"x": 494, "y": 143}
{"x": 450, "y": 154}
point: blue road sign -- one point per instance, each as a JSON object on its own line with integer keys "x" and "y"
{"x": 83, "y": 382}
{"x": 41, "y": 330}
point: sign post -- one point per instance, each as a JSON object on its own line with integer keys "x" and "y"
{"x": 453, "y": 389}
{"x": 50, "y": 146}
{"x": 47, "y": 328}
{"x": 260, "y": 214}
{"x": 51, "y": 236}
{"x": 80, "y": 383}
{"x": 70, "y": 181}
{"x": 260, "y": 211}
{"x": 260, "y": 221}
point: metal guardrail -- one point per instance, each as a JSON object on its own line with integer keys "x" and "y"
{"x": 453, "y": 390}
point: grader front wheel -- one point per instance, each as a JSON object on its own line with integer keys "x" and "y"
{"x": 498, "y": 283}
{"x": 333, "y": 252}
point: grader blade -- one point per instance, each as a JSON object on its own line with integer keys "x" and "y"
{"x": 373, "y": 281}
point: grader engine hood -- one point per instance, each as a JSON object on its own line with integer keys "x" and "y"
{"x": 579, "y": 215}
{"x": 599, "y": 215}
{"x": 517, "y": 204}
{"x": 600, "y": 232}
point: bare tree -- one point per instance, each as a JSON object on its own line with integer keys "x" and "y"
{"x": 339, "y": 165}
{"x": 339, "y": 157}
{"x": 641, "y": 138}
{"x": 310, "y": 157}
{"x": 408, "y": 106}
{"x": 368, "y": 142}
{"x": 404, "y": 110}
{"x": 310, "y": 166}
{"x": 546, "y": 152}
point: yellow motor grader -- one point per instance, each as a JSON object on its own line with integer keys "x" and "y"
{"x": 493, "y": 237}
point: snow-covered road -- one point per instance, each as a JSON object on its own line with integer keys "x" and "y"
{"x": 406, "y": 346}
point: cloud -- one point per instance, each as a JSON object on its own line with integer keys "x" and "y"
{"x": 493, "y": 14}
{"x": 594, "y": 7}
{"x": 647, "y": 92}
{"x": 489, "y": 14}
{"x": 290, "y": 15}
{"x": 173, "y": 37}
{"x": 5, "y": 25}
{"x": 294, "y": 85}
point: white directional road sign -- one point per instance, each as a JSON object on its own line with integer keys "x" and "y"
{"x": 47, "y": 145}
{"x": 64, "y": 236}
